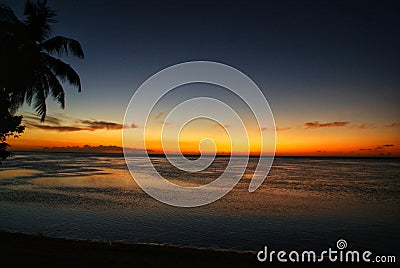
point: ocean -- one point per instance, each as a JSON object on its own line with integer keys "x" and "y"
{"x": 305, "y": 203}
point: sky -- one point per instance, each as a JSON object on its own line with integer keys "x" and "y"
{"x": 329, "y": 70}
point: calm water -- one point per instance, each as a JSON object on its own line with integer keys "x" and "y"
{"x": 305, "y": 203}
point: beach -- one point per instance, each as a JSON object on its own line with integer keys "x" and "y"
{"x": 21, "y": 250}
{"x": 70, "y": 202}
{"x": 39, "y": 251}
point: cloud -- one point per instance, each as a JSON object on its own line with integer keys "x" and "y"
{"x": 95, "y": 149}
{"x": 380, "y": 147}
{"x": 276, "y": 129}
{"x": 55, "y": 128}
{"x": 282, "y": 128}
{"x": 395, "y": 124}
{"x": 365, "y": 149}
{"x": 64, "y": 124}
{"x": 86, "y": 125}
{"x": 49, "y": 119}
{"x": 166, "y": 123}
{"x": 95, "y": 125}
{"x": 159, "y": 115}
{"x": 316, "y": 124}
{"x": 366, "y": 126}
{"x": 217, "y": 125}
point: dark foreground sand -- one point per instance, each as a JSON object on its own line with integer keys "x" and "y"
{"x": 20, "y": 250}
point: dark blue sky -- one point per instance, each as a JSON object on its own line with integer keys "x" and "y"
{"x": 314, "y": 60}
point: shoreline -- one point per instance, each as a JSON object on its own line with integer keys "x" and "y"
{"x": 29, "y": 249}
{"x": 23, "y": 250}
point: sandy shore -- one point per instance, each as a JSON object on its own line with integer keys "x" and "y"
{"x": 20, "y": 250}
{"x": 40, "y": 251}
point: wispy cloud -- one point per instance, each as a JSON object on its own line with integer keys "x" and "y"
{"x": 276, "y": 129}
{"x": 366, "y": 126}
{"x": 317, "y": 124}
{"x": 49, "y": 119}
{"x": 55, "y": 128}
{"x": 159, "y": 115}
{"x": 95, "y": 125}
{"x": 395, "y": 124}
{"x": 282, "y": 128}
{"x": 383, "y": 146}
{"x": 95, "y": 149}
{"x": 216, "y": 125}
{"x": 166, "y": 123}
{"x": 63, "y": 124}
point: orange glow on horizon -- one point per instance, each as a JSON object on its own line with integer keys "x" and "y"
{"x": 295, "y": 142}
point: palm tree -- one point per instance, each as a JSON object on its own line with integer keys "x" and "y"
{"x": 27, "y": 48}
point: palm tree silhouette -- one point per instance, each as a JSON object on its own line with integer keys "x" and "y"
{"x": 31, "y": 72}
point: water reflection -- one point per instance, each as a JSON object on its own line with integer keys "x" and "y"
{"x": 88, "y": 195}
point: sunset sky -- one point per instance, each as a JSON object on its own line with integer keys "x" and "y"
{"x": 330, "y": 71}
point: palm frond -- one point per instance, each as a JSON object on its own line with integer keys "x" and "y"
{"x": 63, "y": 71}
{"x": 56, "y": 89}
{"x": 29, "y": 96}
{"x": 17, "y": 99}
{"x": 40, "y": 102}
{"x": 40, "y": 92}
{"x": 39, "y": 18}
{"x": 63, "y": 45}
{"x": 7, "y": 15}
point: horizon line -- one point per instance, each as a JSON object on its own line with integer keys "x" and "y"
{"x": 216, "y": 155}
